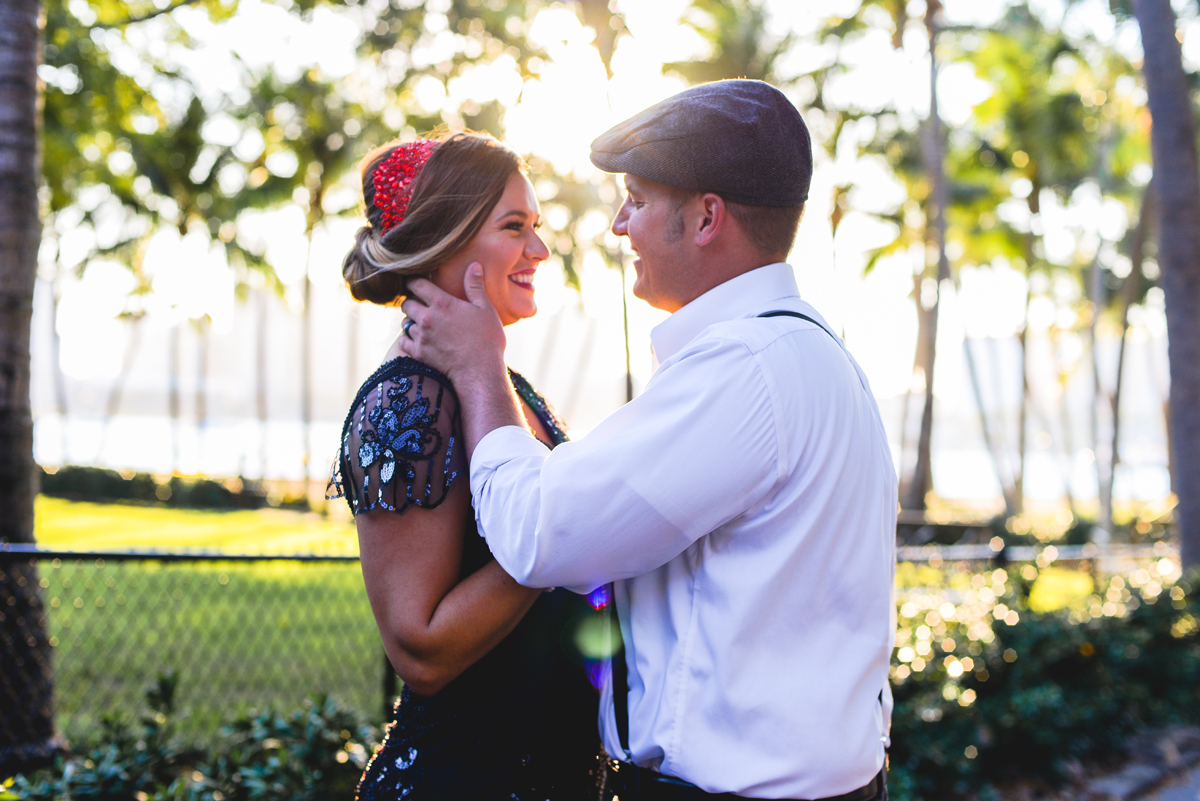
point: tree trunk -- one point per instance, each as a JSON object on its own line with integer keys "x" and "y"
{"x": 113, "y": 404}
{"x": 985, "y": 428}
{"x": 1177, "y": 184}
{"x": 922, "y": 355}
{"x": 1034, "y": 204}
{"x": 203, "y": 335}
{"x": 260, "y": 377}
{"x": 1096, "y": 294}
{"x": 60, "y": 380}
{"x": 1129, "y": 291}
{"x": 1022, "y": 413}
{"x": 26, "y": 680}
{"x": 306, "y": 366}
{"x": 922, "y": 476}
{"x": 174, "y": 343}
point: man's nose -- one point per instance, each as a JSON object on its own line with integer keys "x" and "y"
{"x": 620, "y": 223}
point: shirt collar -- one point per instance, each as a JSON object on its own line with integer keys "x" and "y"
{"x": 741, "y": 296}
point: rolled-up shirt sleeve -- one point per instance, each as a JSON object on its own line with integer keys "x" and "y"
{"x": 697, "y": 449}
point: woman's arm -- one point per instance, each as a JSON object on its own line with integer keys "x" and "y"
{"x": 433, "y": 625}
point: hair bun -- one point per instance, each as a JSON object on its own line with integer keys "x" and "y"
{"x": 366, "y": 278}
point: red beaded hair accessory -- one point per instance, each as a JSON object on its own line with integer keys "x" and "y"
{"x": 393, "y": 180}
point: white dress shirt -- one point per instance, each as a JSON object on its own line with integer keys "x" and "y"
{"x": 745, "y": 504}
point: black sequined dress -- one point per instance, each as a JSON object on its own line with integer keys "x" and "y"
{"x": 519, "y": 724}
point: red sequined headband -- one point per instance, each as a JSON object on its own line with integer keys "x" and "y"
{"x": 393, "y": 180}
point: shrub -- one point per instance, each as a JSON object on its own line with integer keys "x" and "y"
{"x": 1009, "y": 695}
{"x": 99, "y": 484}
{"x": 988, "y": 692}
{"x": 317, "y": 752}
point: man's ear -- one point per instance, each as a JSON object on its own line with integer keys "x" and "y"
{"x": 713, "y": 219}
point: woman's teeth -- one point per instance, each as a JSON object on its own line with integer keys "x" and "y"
{"x": 525, "y": 279}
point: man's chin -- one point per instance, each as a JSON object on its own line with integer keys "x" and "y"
{"x": 640, "y": 290}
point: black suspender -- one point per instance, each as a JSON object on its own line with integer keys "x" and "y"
{"x": 782, "y": 313}
{"x": 620, "y": 682}
{"x": 620, "y": 671}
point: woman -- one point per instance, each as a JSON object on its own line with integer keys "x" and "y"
{"x": 493, "y": 705}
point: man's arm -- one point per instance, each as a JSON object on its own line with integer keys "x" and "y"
{"x": 465, "y": 340}
{"x": 696, "y": 449}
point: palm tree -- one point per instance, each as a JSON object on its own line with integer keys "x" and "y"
{"x": 87, "y": 107}
{"x": 920, "y": 161}
{"x": 921, "y": 480}
{"x": 1177, "y": 183}
{"x": 1037, "y": 132}
{"x": 313, "y": 129}
{"x": 26, "y": 683}
{"x": 735, "y": 31}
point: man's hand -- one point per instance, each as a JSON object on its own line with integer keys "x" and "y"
{"x": 465, "y": 340}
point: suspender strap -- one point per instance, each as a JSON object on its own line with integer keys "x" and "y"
{"x": 782, "y": 313}
{"x": 620, "y": 671}
{"x": 620, "y": 682}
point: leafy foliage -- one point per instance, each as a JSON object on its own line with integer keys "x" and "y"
{"x": 312, "y": 753}
{"x": 99, "y": 484}
{"x": 739, "y": 48}
{"x": 1040, "y": 695}
{"x": 988, "y": 692}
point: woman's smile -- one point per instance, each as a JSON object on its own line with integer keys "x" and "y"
{"x": 523, "y": 278}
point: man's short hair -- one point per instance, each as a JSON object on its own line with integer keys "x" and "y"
{"x": 770, "y": 229}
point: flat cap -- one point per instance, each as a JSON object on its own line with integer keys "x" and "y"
{"x": 742, "y": 140}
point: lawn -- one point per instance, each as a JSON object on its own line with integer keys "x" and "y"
{"x": 241, "y": 635}
{"x": 102, "y": 526}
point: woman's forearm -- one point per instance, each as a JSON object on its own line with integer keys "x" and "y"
{"x": 469, "y": 621}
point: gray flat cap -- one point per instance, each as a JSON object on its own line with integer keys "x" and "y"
{"x": 742, "y": 140}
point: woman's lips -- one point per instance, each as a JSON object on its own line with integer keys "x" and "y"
{"x": 522, "y": 279}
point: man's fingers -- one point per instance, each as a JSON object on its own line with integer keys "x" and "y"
{"x": 473, "y": 284}
{"x": 413, "y": 308}
{"x": 425, "y": 291}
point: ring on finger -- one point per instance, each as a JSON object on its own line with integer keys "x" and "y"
{"x": 409, "y": 323}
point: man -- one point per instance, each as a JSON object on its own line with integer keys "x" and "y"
{"x": 744, "y": 503}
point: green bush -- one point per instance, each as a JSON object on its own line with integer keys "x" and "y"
{"x": 98, "y": 484}
{"x": 1042, "y": 695}
{"x": 317, "y": 752}
{"x": 988, "y": 692}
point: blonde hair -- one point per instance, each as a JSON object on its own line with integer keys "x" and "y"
{"x": 452, "y": 196}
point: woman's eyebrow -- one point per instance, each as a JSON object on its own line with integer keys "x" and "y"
{"x": 513, "y": 213}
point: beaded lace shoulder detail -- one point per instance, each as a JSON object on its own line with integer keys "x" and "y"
{"x": 554, "y": 425}
{"x": 400, "y": 443}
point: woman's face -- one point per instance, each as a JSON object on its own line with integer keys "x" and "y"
{"x": 510, "y": 251}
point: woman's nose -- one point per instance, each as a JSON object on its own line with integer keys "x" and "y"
{"x": 537, "y": 250}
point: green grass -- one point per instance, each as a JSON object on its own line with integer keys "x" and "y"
{"x": 99, "y": 526}
{"x": 242, "y": 636}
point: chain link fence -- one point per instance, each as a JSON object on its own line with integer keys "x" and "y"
{"x": 251, "y": 632}
{"x": 242, "y": 633}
